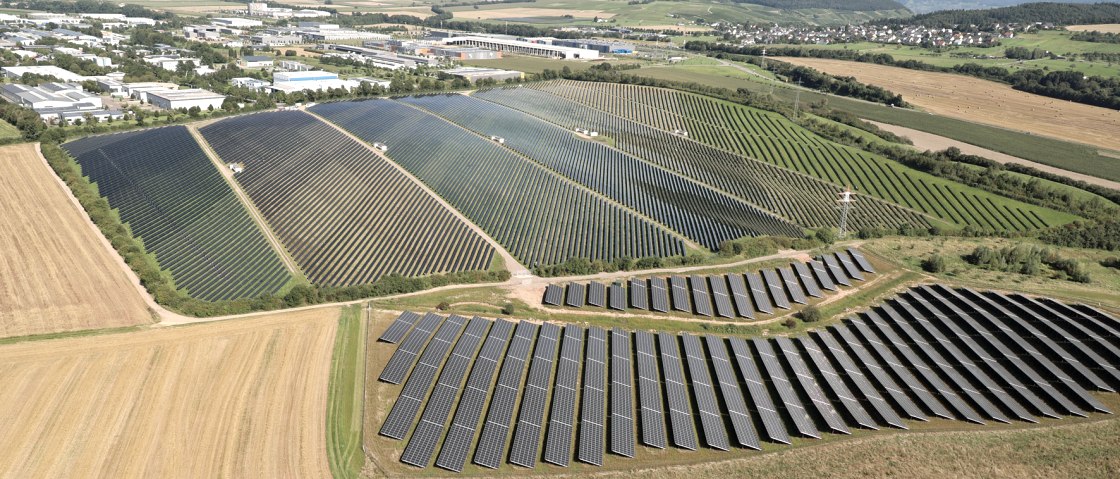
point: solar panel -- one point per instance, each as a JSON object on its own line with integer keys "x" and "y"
{"x": 492, "y": 443}
{"x": 576, "y": 296}
{"x": 596, "y": 294}
{"x": 639, "y": 294}
{"x": 758, "y": 293}
{"x": 861, "y": 261}
{"x": 797, "y": 413}
{"x": 722, "y": 300}
{"x": 649, "y": 391}
{"x": 823, "y": 279}
{"x": 679, "y": 291}
{"x": 553, "y": 295}
{"x": 759, "y": 394}
{"x": 919, "y": 365}
{"x": 415, "y": 390}
{"x": 460, "y": 435}
{"x": 732, "y": 396}
{"x": 835, "y": 383}
{"x": 834, "y": 268}
{"x": 1007, "y": 319}
{"x": 809, "y": 385}
{"x": 740, "y": 296}
{"x": 711, "y": 420}
{"x": 530, "y": 421}
{"x": 396, "y": 331}
{"x": 616, "y": 297}
{"x": 965, "y": 327}
{"x": 1102, "y": 324}
{"x": 1078, "y": 328}
{"x": 827, "y": 344}
{"x": 561, "y": 423}
{"x": 405, "y": 355}
{"x": 592, "y": 429}
{"x": 777, "y": 288}
{"x": 888, "y": 360}
{"x": 680, "y": 408}
{"x": 1008, "y": 398}
{"x": 658, "y": 295}
{"x": 622, "y": 394}
{"x": 701, "y": 299}
{"x": 1109, "y": 322}
{"x": 806, "y": 276}
{"x": 793, "y": 287}
{"x": 423, "y": 441}
{"x": 849, "y": 267}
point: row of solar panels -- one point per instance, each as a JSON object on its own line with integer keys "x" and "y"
{"x": 727, "y": 296}
{"x": 929, "y": 352}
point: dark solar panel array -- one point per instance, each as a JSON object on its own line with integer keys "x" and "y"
{"x": 758, "y": 293}
{"x": 731, "y": 394}
{"x": 863, "y": 387}
{"x": 837, "y": 272}
{"x": 495, "y": 431}
{"x": 679, "y": 290}
{"x": 740, "y": 295}
{"x": 472, "y": 402}
{"x": 622, "y": 394}
{"x": 396, "y": 331}
{"x": 793, "y": 287}
{"x": 616, "y": 297}
{"x": 892, "y": 362}
{"x": 715, "y": 434}
{"x": 593, "y": 410}
{"x": 676, "y": 392}
{"x": 553, "y": 295}
{"x": 804, "y": 376}
{"x": 423, "y": 441}
{"x": 596, "y": 294}
{"x": 778, "y": 380}
{"x": 823, "y": 279}
{"x": 722, "y": 300}
{"x": 649, "y": 391}
{"x": 658, "y": 295}
{"x": 639, "y": 294}
{"x": 530, "y": 421}
{"x": 849, "y": 266}
{"x": 701, "y": 298}
{"x": 1086, "y": 326}
{"x": 576, "y": 296}
{"x": 404, "y": 410}
{"x": 759, "y": 393}
{"x": 777, "y": 288}
{"x": 881, "y": 377}
{"x": 405, "y": 355}
{"x": 849, "y": 401}
{"x": 561, "y": 423}
{"x": 807, "y": 280}
{"x": 861, "y": 261}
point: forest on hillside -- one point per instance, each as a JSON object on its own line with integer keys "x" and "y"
{"x": 846, "y": 5}
{"x": 1057, "y": 13}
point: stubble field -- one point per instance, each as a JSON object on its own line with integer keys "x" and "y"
{"x": 240, "y": 398}
{"x": 983, "y": 101}
{"x": 1105, "y": 27}
{"x": 56, "y": 274}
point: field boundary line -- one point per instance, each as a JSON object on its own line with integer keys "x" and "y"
{"x": 250, "y": 207}
{"x": 515, "y": 267}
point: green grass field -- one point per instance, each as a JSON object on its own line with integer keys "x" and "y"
{"x": 346, "y": 395}
{"x": 8, "y": 131}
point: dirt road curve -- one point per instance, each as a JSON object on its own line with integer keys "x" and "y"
{"x": 929, "y": 141}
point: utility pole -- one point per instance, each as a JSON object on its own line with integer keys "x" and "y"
{"x": 797, "y": 100}
{"x": 846, "y": 200}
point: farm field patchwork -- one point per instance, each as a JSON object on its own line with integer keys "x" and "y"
{"x": 693, "y": 209}
{"x": 55, "y": 273}
{"x": 173, "y": 198}
{"x": 240, "y": 398}
{"x": 774, "y": 139}
{"x": 540, "y": 217}
{"x": 347, "y": 215}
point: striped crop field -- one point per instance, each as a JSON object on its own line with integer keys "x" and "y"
{"x": 801, "y": 199}
{"x": 772, "y": 138}
{"x": 699, "y": 212}
{"x": 346, "y": 215}
{"x": 539, "y": 216}
{"x": 173, "y": 198}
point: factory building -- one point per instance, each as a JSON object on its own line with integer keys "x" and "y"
{"x": 523, "y": 47}
{"x": 600, "y": 46}
{"x": 192, "y": 97}
{"x": 474, "y": 74}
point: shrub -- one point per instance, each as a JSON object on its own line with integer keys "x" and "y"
{"x": 825, "y": 235}
{"x": 810, "y": 314}
{"x": 1112, "y": 262}
{"x": 443, "y": 306}
{"x": 508, "y": 309}
{"x": 934, "y": 264}
{"x": 790, "y": 323}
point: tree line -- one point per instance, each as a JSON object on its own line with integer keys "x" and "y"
{"x": 1096, "y": 37}
{"x": 843, "y": 5}
{"x": 1044, "y": 12}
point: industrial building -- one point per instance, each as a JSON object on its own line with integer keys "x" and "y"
{"x": 290, "y": 82}
{"x": 43, "y": 70}
{"x": 522, "y": 47}
{"x": 250, "y": 83}
{"x": 379, "y": 58}
{"x": 255, "y": 61}
{"x": 474, "y": 74}
{"x": 601, "y": 46}
{"x": 192, "y": 97}
{"x": 55, "y": 102}
{"x": 464, "y": 53}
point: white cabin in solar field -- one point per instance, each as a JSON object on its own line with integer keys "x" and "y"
{"x": 680, "y": 132}
{"x": 236, "y": 168}
{"x": 498, "y": 139}
{"x": 381, "y": 146}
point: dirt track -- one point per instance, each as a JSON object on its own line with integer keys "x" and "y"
{"x": 982, "y": 101}
{"x": 242, "y": 398}
{"x": 55, "y": 275}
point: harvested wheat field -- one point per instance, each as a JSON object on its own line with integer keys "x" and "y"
{"x": 1104, "y": 27}
{"x": 983, "y": 101}
{"x": 527, "y": 12}
{"x": 240, "y": 398}
{"x": 57, "y": 272}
